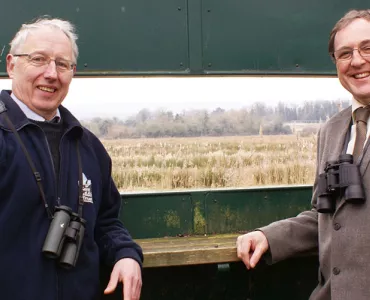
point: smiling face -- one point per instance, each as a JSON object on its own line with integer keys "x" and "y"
{"x": 41, "y": 88}
{"x": 354, "y": 74}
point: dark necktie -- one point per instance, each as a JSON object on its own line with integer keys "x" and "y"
{"x": 361, "y": 117}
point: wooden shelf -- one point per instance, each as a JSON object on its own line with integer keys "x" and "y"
{"x": 192, "y": 250}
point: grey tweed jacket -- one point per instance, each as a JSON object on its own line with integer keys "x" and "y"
{"x": 342, "y": 239}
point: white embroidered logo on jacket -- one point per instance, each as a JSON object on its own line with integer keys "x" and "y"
{"x": 86, "y": 190}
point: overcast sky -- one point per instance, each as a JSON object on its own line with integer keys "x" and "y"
{"x": 122, "y": 97}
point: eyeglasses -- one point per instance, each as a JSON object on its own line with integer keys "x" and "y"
{"x": 347, "y": 53}
{"x": 39, "y": 60}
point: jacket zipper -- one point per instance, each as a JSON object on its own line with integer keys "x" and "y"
{"x": 57, "y": 279}
{"x": 59, "y": 183}
{"x": 58, "y": 203}
{"x": 52, "y": 164}
{"x": 59, "y": 196}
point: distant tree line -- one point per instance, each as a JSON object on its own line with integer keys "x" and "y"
{"x": 257, "y": 119}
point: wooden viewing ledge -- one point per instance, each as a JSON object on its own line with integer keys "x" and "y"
{"x": 189, "y": 250}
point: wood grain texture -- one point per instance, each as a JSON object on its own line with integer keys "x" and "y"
{"x": 192, "y": 250}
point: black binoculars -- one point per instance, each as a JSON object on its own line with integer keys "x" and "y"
{"x": 65, "y": 236}
{"x": 340, "y": 179}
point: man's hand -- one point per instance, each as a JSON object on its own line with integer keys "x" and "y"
{"x": 127, "y": 271}
{"x": 251, "y": 247}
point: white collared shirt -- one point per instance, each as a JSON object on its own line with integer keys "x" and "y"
{"x": 28, "y": 112}
{"x": 351, "y": 144}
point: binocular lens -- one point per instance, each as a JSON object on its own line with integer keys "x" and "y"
{"x": 54, "y": 240}
{"x": 65, "y": 237}
{"x": 72, "y": 244}
{"x": 341, "y": 178}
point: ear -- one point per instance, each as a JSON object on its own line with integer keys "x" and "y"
{"x": 74, "y": 70}
{"x": 10, "y": 65}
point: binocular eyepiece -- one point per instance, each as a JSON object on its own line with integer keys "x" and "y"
{"x": 341, "y": 178}
{"x": 65, "y": 236}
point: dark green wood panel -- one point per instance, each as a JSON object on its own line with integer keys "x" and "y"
{"x": 157, "y": 215}
{"x": 270, "y": 37}
{"x": 241, "y": 210}
{"x": 190, "y": 37}
{"x": 151, "y": 215}
{"x": 116, "y": 36}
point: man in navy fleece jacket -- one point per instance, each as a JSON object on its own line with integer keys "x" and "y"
{"x": 47, "y": 161}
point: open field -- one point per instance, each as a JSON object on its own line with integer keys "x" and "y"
{"x": 204, "y": 162}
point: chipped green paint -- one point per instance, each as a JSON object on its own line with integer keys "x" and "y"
{"x": 231, "y": 215}
{"x": 171, "y": 219}
{"x": 231, "y": 219}
{"x": 199, "y": 219}
{"x": 227, "y": 213}
{"x": 152, "y": 220}
{"x": 151, "y": 215}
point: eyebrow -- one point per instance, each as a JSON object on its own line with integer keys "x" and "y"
{"x": 44, "y": 53}
{"x": 347, "y": 47}
{"x": 365, "y": 42}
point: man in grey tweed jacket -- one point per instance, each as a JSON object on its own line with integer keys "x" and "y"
{"x": 341, "y": 238}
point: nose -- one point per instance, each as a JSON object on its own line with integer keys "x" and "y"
{"x": 357, "y": 59}
{"x": 51, "y": 70}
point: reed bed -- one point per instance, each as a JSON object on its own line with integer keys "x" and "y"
{"x": 211, "y": 162}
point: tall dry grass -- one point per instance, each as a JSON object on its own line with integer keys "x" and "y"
{"x": 178, "y": 163}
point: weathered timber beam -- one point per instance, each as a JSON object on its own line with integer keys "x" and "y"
{"x": 191, "y": 250}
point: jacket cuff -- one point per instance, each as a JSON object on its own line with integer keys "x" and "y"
{"x": 129, "y": 253}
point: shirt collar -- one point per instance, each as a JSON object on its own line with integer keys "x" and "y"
{"x": 355, "y": 105}
{"x": 31, "y": 114}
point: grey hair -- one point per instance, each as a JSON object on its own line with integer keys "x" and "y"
{"x": 65, "y": 26}
{"x": 347, "y": 19}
